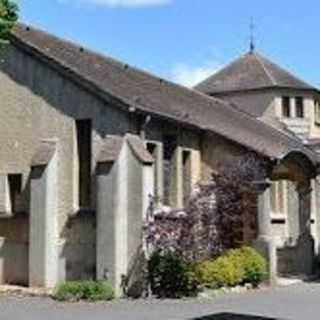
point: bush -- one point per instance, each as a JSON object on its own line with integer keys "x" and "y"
{"x": 253, "y": 264}
{"x": 171, "y": 276}
{"x": 84, "y": 290}
{"x": 222, "y": 272}
{"x": 239, "y": 266}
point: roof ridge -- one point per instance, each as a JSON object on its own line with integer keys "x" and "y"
{"x": 266, "y": 71}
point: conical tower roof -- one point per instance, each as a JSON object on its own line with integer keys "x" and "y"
{"x": 249, "y": 72}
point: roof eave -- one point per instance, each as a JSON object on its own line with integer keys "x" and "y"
{"x": 266, "y": 88}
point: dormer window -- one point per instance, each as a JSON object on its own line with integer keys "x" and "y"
{"x": 299, "y": 107}
{"x": 286, "y": 107}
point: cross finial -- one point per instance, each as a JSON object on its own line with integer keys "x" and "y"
{"x": 252, "y": 39}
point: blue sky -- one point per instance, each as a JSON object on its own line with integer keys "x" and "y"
{"x": 186, "y": 40}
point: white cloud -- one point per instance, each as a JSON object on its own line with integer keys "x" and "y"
{"x": 122, "y": 3}
{"x": 189, "y": 76}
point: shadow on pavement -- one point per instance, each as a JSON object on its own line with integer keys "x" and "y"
{"x": 232, "y": 316}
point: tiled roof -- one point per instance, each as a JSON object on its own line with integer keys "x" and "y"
{"x": 111, "y": 149}
{"x": 251, "y": 71}
{"x": 138, "y": 148}
{"x": 146, "y": 93}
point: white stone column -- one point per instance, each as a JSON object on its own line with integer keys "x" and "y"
{"x": 43, "y": 237}
{"x": 265, "y": 243}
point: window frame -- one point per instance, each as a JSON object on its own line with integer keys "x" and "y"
{"x": 317, "y": 112}
{"x": 153, "y": 147}
{"x": 299, "y": 107}
{"x": 186, "y": 157}
{"x": 15, "y": 182}
{"x": 170, "y": 144}
{"x": 84, "y": 153}
{"x": 286, "y": 113}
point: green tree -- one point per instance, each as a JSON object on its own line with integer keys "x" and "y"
{"x": 8, "y": 18}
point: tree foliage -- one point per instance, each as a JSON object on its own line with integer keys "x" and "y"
{"x": 8, "y": 18}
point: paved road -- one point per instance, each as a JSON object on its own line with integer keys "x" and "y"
{"x": 298, "y": 302}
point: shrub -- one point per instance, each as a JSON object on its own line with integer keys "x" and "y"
{"x": 238, "y": 266}
{"x": 222, "y": 272}
{"x": 84, "y": 290}
{"x": 171, "y": 276}
{"x": 253, "y": 264}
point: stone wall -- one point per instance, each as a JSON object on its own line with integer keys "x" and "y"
{"x": 78, "y": 252}
{"x": 14, "y": 249}
{"x": 187, "y": 140}
{"x": 215, "y": 150}
{"x": 43, "y": 104}
{"x": 39, "y": 104}
{"x": 257, "y": 103}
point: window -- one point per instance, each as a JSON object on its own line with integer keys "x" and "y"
{"x": 84, "y": 157}
{"x": 317, "y": 111}
{"x": 278, "y": 191}
{"x": 153, "y": 150}
{"x": 186, "y": 165}
{"x": 15, "y": 188}
{"x": 273, "y": 197}
{"x": 169, "y": 149}
{"x": 299, "y": 107}
{"x": 286, "y": 107}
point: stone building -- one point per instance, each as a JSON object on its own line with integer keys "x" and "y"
{"x": 85, "y": 140}
{"x": 271, "y": 94}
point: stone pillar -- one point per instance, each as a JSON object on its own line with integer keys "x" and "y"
{"x": 265, "y": 243}
{"x": 43, "y": 237}
{"x": 304, "y": 192}
{"x": 317, "y": 212}
{"x": 125, "y": 180}
{"x": 305, "y": 245}
{"x": 314, "y": 219}
{"x": 5, "y": 206}
{"x": 293, "y": 213}
{"x": 112, "y": 224}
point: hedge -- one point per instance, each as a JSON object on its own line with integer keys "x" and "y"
{"x": 235, "y": 267}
